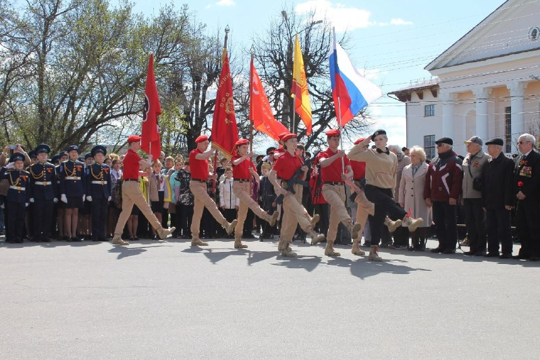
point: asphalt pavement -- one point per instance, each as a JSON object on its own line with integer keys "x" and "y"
{"x": 167, "y": 300}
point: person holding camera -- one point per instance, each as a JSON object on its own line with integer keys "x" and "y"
{"x": 472, "y": 196}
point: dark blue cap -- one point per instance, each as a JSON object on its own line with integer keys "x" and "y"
{"x": 63, "y": 153}
{"x": 42, "y": 148}
{"x": 99, "y": 149}
{"x": 32, "y": 154}
{"x": 55, "y": 159}
{"x": 87, "y": 156}
{"x": 16, "y": 156}
{"x": 73, "y": 147}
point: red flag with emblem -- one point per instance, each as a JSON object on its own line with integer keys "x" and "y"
{"x": 260, "y": 111}
{"x": 150, "y": 140}
{"x": 224, "y": 128}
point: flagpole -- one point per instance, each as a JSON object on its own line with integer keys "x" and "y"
{"x": 339, "y": 111}
{"x": 227, "y": 29}
{"x": 250, "y": 120}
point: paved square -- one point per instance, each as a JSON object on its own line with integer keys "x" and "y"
{"x": 167, "y": 300}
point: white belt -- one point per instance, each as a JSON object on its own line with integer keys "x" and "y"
{"x": 44, "y": 183}
{"x": 99, "y": 182}
{"x": 20, "y": 188}
{"x": 72, "y": 178}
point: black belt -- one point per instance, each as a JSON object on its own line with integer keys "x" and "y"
{"x": 199, "y": 180}
{"x": 242, "y": 180}
{"x": 332, "y": 183}
{"x": 131, "y": 180}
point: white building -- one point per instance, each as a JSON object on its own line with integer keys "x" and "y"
{"x": 486, "y": 84}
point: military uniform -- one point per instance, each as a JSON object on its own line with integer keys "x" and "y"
{"x": 98, "y": 193}
{"x": 43, "y": 195}
{"x": 72, "y": 184}
{"x": 16, "y": 199}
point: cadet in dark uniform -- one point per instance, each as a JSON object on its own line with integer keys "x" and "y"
{"x": 85, "y": 218}
{"x": 17, "y": 197}
{"x": 55, "y": 231}
{"x": 42, "y": 193}
{"x": 72, "y": 191}
{"x": 28, "y": 218}
{"x": 98, "y": 192}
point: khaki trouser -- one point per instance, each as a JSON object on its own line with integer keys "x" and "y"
{"x": 294, "y": 214}
{"x": 132, "y": 195}
{"x": 242, "y": 191}
{"x": 202, "y": 200}
{"x": 335, "y": 196}
{"x": 365, "y": 208}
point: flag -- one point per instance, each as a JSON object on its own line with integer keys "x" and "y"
{"x": 353, "y": 90}
{"x": 224, "y": 129}
{"x": 260, "y": 111}
{"x": 150, "y": 141}
{"x": 299, "y": 90}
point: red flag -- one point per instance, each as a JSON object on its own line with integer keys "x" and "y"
{"x": 150, "y": 141}
{"x": 260, "y": 111}
{"x": 224, "y": 129}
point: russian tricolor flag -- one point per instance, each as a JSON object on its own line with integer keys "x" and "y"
{"x": 350, "y": 90}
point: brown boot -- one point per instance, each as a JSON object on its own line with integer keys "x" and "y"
{"x": 281, "y": 245}
{"x": 374, "y": 253}
{"x": 316, "y": 237}
{"x": 163, "y": 233}
{"x": 413, "y": 224}
{"x": 238, "y": 243}
{"x": 195, "y": 241}
{"x": 229, "y": 227}
{"x": 329, "y": 250}
{"x": 272, "y": 219}
{"x": 355, "y": 231}
{"x": 392, "y": 225}
{"x": 356, "y": 248}
{"x": 117, "y": 240}
{"x": 314, "y": 220}
{"x": 287, "y": 251}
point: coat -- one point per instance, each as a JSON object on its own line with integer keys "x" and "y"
{"x": 226, "y": 195}
{"x": 472, "y": 169}
{"x": 498, "y": 179}
{"x": 411, "y": 190}
{"x": 444, "y": 178}
{"x": 527, "y": 171}
{"x": 403, "y": 161}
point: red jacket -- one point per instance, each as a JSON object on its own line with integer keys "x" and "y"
{"x": 444, "y": 178}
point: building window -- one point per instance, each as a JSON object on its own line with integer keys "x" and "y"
{"x": 429, "y": 146}
{"x": 508, "y": 129}
{"x": 429, "y": 110}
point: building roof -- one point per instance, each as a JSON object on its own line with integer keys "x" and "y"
{"x": 404, "y": 94}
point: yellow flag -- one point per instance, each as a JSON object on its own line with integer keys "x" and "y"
{"x": 299, "y": 90}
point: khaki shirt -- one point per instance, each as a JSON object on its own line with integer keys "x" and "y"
{"x": 381, "y": 168}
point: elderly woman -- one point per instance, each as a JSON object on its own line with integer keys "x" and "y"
{"x": 381, "y": 168}
{"x": 411, "y": 195}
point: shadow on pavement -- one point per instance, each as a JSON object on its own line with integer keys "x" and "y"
{"x": 127, "y": 251}
{"x": 308, "y": 263}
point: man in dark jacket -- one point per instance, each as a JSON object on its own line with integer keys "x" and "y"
{"x": 442, "y": 190}
{"x": 498, "y": 198}
{"x": 526, "y": 188}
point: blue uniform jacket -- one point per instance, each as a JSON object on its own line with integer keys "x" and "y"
{"x": 98, "y": 181}
{"x": 43, "y": 185}
{"x": 72, "y": 179}
{"x": 18, "y": 185}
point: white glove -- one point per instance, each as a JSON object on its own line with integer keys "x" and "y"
{"x": 32, "y": 200}
{"x": 83, "y": 197}
{"x": 109, "y": 199}
{"x": 2, "y": 206}
{"x": 63, "y": 198}
{"x": 89, "y": 198}
{"x": 55, "y": 200}
{"x": 26, "y": 204}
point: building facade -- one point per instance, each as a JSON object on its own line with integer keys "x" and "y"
{"x": 486, "y": 84}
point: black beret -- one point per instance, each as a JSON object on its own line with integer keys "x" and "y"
{"x": 495, "y": 141}
{"x": 445, "y": 140}
{"x": 377, "y": 133}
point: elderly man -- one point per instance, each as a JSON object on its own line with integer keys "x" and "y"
{"x": 498, "y": 198}
{"x": 442, "y": 189}
{"x": 472, "y": 196}
{"x": 526, "y": 188}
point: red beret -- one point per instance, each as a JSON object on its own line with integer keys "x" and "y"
{"x": 359, "y": 141}
{"x": 241, "y": 142}
{"x": 288, "y": 136}
{"x": 134, "y": 138}
{"x": 333, "y": 132}
{"x": 280, "y": 136}
{"x": 201, "y": 138}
